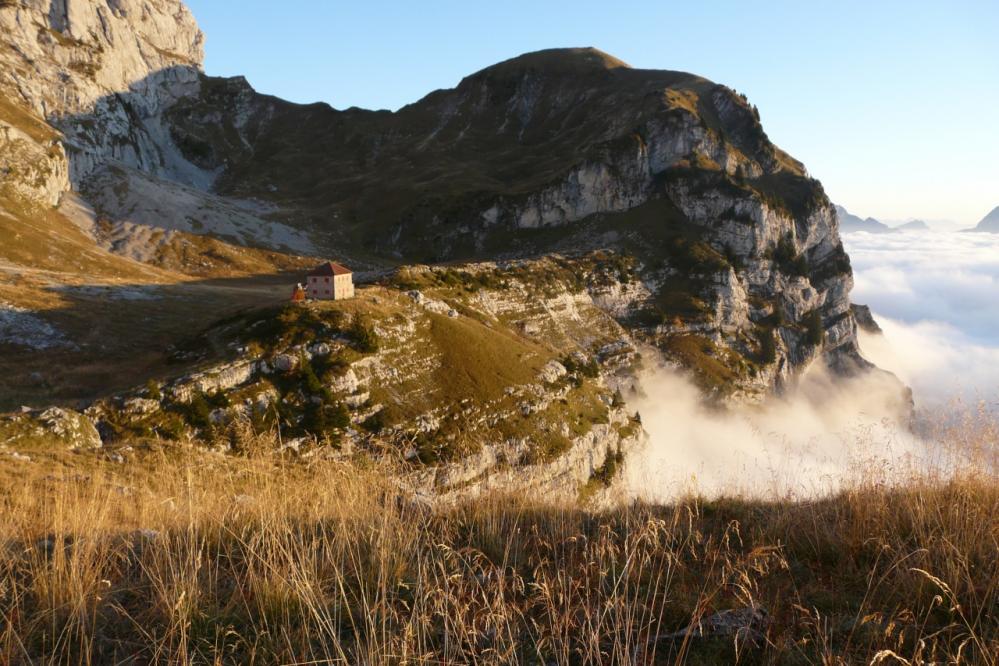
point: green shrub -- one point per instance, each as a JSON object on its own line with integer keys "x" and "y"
{"x": 376, "y": 422}
{"x": 787, "y": 258}
{"x": 339, "y": 416}
{"x": 308, "y": 375}
{"x": 695, "y": 256}
{"x": 322, "y": 418}
{"x": 364, "y": 335}
{"x": 775, "y": 319}
{"x": 197, "y": 412}
{"x": 618, "y": 400}
{"x": 219, "y": 399}
{"x": 153, "y": 390}
{"x": 171, "y": 428}
{"x": 589, "y": 368}
{"x": 608, "y": 470}
{"x": 546, "y": 447}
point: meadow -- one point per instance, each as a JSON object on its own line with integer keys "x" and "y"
{"x": 170, "y": 553}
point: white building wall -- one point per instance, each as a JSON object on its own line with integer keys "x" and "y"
{"x": 330, "y": 287}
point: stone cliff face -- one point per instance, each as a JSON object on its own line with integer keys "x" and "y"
{"x": 102, "y": 72}
{"x": 85, "y": 87}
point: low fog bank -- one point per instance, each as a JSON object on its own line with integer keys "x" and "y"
{"x": 935, "y": 296}
{"x": 830, "y": 432}
{"x": 950, "y": 278}
{"x": 938, "y": 361}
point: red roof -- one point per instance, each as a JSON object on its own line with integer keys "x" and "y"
{"x": 330, "y": 268}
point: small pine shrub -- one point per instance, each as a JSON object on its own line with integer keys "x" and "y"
{"x": 618, "y": 400}
{"x": 589, "y": 368}
{"x": 608, "y": 470}
{"x": 197, "y": 412}
{"x": 219, "y": 399}
{"x": 339, "y": 416}
{"x": 376, "y": 422}
{"x": 787, "y": 258}
{"x": 308, "y": 376}
{"x": 364, "y": 335}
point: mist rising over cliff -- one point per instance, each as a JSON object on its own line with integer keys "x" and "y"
{"x": 814, "y": 441}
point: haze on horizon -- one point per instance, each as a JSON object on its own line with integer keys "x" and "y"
{"x": 886, "y": 103}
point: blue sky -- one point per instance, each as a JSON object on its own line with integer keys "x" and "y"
{"x": 892, "y": 104}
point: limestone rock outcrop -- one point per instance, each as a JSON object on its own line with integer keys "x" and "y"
{"x": 102, "y": 72}
{"x": 29, "y": 429}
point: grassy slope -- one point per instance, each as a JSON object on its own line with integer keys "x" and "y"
{"x": 123, "y": 342}
{"x": 188, "y": 556}
{"x": 478, "y": 362}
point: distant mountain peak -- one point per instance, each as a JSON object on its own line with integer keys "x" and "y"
{"x": 850, "y": 222}
{"x": 990, "y": 222}
{"x": 561, "y": 60}
{"x": 913, "y": 225}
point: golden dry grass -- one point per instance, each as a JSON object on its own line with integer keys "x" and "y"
{"x": 183, "y": 556}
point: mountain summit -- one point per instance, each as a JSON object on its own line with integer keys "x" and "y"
{"x": 568, "y": 61}
{"x": 741, "y": 273}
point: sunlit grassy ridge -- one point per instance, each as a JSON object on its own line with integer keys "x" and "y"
{"x": 181, "y": 556}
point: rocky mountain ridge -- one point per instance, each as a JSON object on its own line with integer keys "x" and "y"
{"x": 102, "y": 73}
{"x": 84, "y": 141}
{"x": 913, "y": 225}
{"x": 737, "y": 272}
{"x": 849, "y": 222}
{"x": 565, "y": 150}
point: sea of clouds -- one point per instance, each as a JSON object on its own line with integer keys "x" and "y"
{"x": 934, "y": 295}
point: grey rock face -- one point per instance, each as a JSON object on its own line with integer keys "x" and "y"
{"x": 219, "y": 378}
{"x": 102, "y": 72}
{"x": 865, "y": 320}
{"x": 284, "y": 363}
{"x": 73, "y": 427}
{"x": 552, "y": 372}
{"x": 562, "y": 477}
{"x": 64, "y": 426}
{"x": 345, "y": 383}
{"x": 140, "y": 406}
